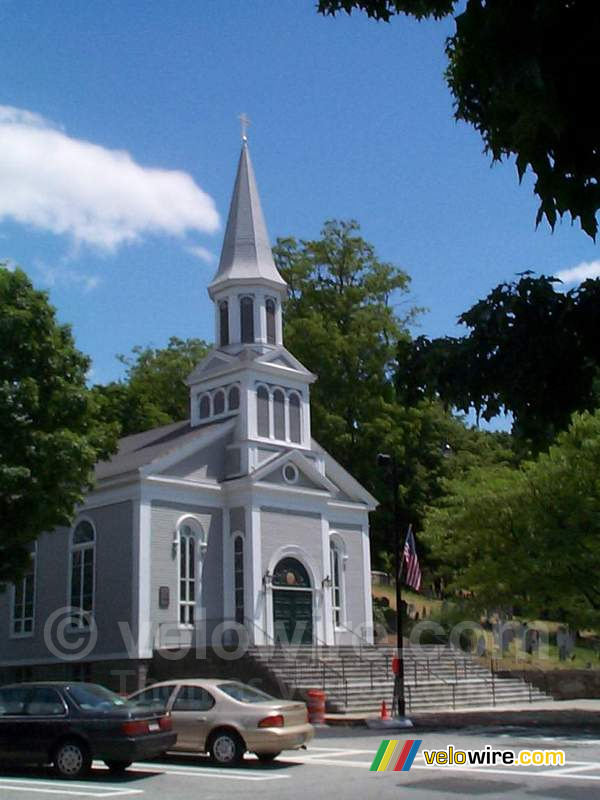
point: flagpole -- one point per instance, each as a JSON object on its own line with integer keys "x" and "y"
{"x": 398, "y": 705}
{"x": 399, "y": 701}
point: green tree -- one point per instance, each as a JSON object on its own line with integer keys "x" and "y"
{"x": 341, "y": 322}
{"x": 522, "y": 73}
{"x": 531, "y": 350}
{"x": 153, "y": 391}
{"x": 50, "y": 437}
{"x": 528, "y": 537}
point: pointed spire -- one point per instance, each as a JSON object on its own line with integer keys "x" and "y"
{"x": 246, "y": 253}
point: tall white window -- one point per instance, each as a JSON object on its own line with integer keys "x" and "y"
{"x": 224, "y": 323}
{"x": 219, "y": 402}
{"x": 271, "y": 311}
{"x": 23, "y": 606}
{"x": 337, "y": 588}
{"x": 262, "y": 410}
{"x": 247, "y": 319}
{"x": 191, "y": 548}
{"x": 83, "y": 550}
{"x": 204, "y": 407}
{"x": 238, "y": 564}
{"x": 295, "y": 421}
{"x": 233, "y": 398}
{"x": 279, "y": 413}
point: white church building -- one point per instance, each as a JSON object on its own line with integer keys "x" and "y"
{"x": 233, "y": 517}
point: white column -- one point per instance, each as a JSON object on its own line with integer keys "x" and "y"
{"x": 305, "y": 420}
{"x": 366, "y": 554}
{"x": 328, "y": 631}
{"x": 235, "y": 322}
{"x": 256, "y": 611}
{"x": 278, "y": 323}
{"x": 143, "y": 571}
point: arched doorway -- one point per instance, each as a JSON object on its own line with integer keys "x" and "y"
{"x": 292, "y": 603}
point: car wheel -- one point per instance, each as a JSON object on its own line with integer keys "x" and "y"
{"x": 226, "y": 748}
{"x": 118, "y": 766}
{"x": 72, "y": 759}
{"x": 267, "y": 757}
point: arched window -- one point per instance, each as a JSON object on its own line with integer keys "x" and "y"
{"x": 271, "y": 328}
{"x": 279, "y": 413}
{"x": 219, "y": 402}
{"x": 83, "y": 545}
{"x": 291, "y": 573}
{"x": 233, "y": 398}
{"x": 204, "y": 407}
{"x": 336, "y": 557}
{"x": 238, "y": 565}
{"x": 224, "y": 323}
{"x": 262, "y": 411}
{"x": 188, "y": 567}
{"x": 247, "y": 319}
{"x": 295, "y": 425}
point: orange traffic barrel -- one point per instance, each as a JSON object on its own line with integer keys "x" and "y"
{"x": 316, "y": 706}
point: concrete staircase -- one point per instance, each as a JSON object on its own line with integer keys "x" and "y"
{"x": 356, "y": 680}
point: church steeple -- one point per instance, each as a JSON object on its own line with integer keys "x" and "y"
{"x": 246, "y": 255}
{"x": 247, "y": 289}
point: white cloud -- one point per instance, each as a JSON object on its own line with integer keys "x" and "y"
{"x": 202, "y": 253}
{"x": 94, "y": 195}
{"x": 63, "y": 276}
{"x": 583, "y": 271}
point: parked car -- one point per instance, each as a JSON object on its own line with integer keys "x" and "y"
{"x": 226, "y": 718}
{"x": 70, "y": 724}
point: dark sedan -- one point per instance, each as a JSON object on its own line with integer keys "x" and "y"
{"x": 70, "y": 724}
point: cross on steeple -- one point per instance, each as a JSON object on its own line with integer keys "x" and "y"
{"x": 245, "y": 120}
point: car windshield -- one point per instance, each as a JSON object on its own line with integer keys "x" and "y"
{"x": 92, "y": 697}
{"x": 245, "y": 694}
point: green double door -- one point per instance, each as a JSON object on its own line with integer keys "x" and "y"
{"x": 293, "y": 615}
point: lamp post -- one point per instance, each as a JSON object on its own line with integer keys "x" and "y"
{"x": 389, "y": 461}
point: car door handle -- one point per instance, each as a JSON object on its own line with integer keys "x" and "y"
{"x": 200, "y": 719}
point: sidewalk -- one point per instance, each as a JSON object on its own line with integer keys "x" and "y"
{"x": 572, "y": 714}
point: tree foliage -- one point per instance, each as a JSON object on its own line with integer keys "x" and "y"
{"x": 342, "y": 322}
{"x": 528, "y": 538}
{"x": 522, "y": 73}
{"x": 50, "y": 437}
{"x": 531, "y": 350}
{"x": 153, "y": 391}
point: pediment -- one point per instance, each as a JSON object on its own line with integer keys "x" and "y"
{"x": 283, "y": 358}
{"x": 211, "y": 364}
{"x": 293, "y": 470}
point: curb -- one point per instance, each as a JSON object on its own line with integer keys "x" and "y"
{"x": 572, "y": 719}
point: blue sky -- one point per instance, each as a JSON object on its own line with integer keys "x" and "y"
{"x": 119, "y": 140}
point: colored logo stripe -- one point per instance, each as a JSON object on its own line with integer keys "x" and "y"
{"x": 407, "y": 756}
{"x": 395, "y": 755}
{"x": 379, "y": 755}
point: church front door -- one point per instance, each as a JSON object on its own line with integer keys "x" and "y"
{"x": 292, "y": 603}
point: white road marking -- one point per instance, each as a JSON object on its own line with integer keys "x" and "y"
{"x": 63, "y": 789}
{"x": 583, "y": 767}
{"x": 200, "y": 771}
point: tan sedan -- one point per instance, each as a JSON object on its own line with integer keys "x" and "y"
{"x": 226, "y": 718}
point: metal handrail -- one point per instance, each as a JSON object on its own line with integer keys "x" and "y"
{"x": 326, "y": 669}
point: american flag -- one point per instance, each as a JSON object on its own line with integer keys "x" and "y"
{"x": 412, "y": 576}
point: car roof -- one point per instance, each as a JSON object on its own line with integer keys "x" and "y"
{"x": 192, "y": 682}
{"x": 47, "y": 684}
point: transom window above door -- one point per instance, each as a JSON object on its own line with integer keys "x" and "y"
{"x": 290, "y": 573}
